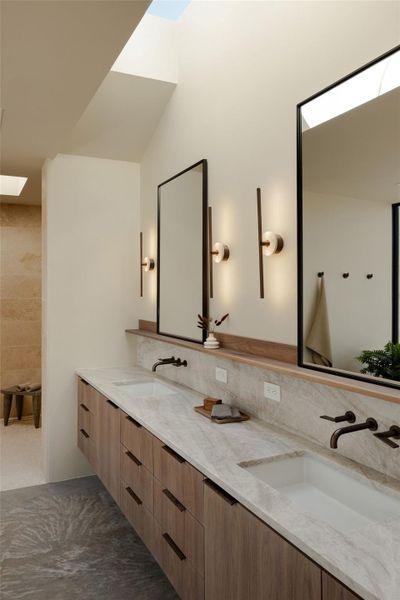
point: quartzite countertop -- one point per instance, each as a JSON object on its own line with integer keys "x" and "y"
{"x": 366, "y": 560}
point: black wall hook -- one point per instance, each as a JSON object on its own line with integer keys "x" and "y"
{"x": 370, "y": 275}
{"x": 346, "y": 275}
{"x": 321, "y": 274}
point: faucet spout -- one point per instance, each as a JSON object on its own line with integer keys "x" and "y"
{"x": 370, "y": 424}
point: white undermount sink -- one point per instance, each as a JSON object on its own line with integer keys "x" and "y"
{"x": 331, "y": 493}
{"x": 143, "y": 389}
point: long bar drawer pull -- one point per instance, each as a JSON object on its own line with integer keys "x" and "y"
{"x": 173, "y": 454}
{"x": 133, "y": 495}
{"x": 132, "y": 420}
{"x": 174, "y": 547}
{"x": 83, "y": 432}
{"x": 85, "y": 408}
{"x": 224, "y": 495}
{"x": 112, "y": 404}
{"x": 133, "y": 457}
{"x": 174, "y": 500}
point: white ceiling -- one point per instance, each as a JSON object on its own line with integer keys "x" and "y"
{"x": 357, "y": 154}
{"x": 120, "y": 118}
{"x": 54, "y": 56}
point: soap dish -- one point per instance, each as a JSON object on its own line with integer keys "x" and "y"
{"x": 207, "y": 413}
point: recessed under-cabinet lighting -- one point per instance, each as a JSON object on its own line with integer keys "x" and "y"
{"x": 11, "y": 186}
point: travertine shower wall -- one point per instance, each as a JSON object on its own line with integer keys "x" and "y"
{"x": 20, "y": 296}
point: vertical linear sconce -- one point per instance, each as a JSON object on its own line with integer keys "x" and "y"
{"x": 218, "y": 252}
{"x": 146, "y": 264}
{"x": 269, "y": 243}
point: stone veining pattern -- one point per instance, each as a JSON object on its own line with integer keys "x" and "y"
{"x": 68, "y": 541}
{"x": 301, "y": 404}
{"x": 366, "y": 560}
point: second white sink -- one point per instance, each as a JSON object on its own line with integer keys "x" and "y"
{"x": 143, "y": 389}
{"x": 331, "y": 493}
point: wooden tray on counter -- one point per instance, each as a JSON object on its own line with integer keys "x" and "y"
{"x": 207, "y": 413}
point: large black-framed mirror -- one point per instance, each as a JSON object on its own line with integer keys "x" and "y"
{"x": 182, "y": 249}
{"x": 348, "y": 190}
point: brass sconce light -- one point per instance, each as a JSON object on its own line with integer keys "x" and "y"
{"x": 146, "y": 264}
{"x": 218, "y": 252}
{"x": 269, "y": 243}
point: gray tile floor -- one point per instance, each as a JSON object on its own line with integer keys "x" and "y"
{"x": 69, "y": 540}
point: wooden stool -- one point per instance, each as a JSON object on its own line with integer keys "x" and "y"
{"x": 8, "y": 395}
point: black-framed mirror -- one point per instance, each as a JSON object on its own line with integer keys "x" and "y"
{"x": 348, "y": 188}
{"x": 182, "y": 249}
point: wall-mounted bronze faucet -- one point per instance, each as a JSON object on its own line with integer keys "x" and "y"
{"x": 350, "y": 417}
{"x": 177, "y": 362}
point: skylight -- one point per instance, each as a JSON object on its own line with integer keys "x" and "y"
{"x": 11, "y": 186}
{"x": 168, "y": 9}
{"x": 367, "y": 85}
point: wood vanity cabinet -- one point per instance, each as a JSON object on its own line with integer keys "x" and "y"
{"x": 244, "y": 558}
{"x": 87, "y": 422}
{"x": 209, "y": 545}
{"x": 334, "y": 590}
{"x": 108, "y": 451}
{"x": 99, "y": 435}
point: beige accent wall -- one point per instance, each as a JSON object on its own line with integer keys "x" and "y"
{"x": 20, "y": 296}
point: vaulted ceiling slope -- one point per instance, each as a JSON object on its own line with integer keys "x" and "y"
{"x": 54, "y": 56}
{"x": 121, "y": 118}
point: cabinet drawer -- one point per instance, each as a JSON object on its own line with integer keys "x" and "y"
{"x": 138, "y": 516}
{"x": 86, "y": 420}
{"x": 186, "y": 580}
{"x": 179, "y": 477}
{"x": 137, "y": 439}
{"x": 182, "y": 527}
{"x": 87, "y": 396}
{"x": 135, "y": 475}
{"x": 87, "y": 446}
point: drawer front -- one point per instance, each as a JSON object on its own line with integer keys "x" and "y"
{"x": 135, "y": 474}
{"x": 85, "y": 420}
{"x": 182, "y": 527}
{"x": 87, "y": 396}
{"x": 138, "y": 440}
{"x": 179, "y": 477}
{"x": 185, "y": 579}
{"x": 138, "y": 516}
{"x": 87, "y": 446}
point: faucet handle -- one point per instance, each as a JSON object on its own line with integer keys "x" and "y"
{"x": 349, "y": 416}
{"x": 393, "y": 432}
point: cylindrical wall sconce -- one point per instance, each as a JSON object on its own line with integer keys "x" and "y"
{"x": 146, "y": 264}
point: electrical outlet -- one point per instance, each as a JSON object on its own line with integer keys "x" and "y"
{"x": 272, "y": 391}
{"x": 221, "y": 375}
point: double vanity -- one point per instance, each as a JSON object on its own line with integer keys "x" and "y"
{"x": 241, "y": 511}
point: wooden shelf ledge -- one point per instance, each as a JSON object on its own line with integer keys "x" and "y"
{"x": 270, "y": 364}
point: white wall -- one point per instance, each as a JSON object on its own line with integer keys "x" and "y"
{"x": 91, "y": 233}
{"x": 243, "y": 67}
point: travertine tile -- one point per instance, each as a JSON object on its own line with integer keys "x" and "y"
{"x": 21, "y": 286}
{"x": 14, "y": 332}
{"x": 20, "y": 357}
{"x": 17, "y": 215}
{"x": 20, "y": 295}
{"x": 21, "y": 309}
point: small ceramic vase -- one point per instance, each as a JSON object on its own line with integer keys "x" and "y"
{"x": 211, "y": 341}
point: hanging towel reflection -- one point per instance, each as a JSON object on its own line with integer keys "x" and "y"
{"x": 318, "y": 340}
